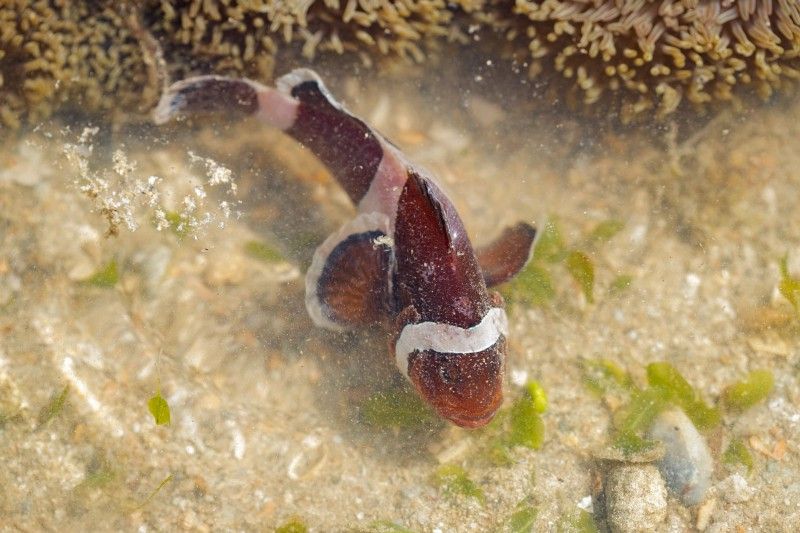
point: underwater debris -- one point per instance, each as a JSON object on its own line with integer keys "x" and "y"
{"x": 150, "y": 497}
{"x": 640, "y": 57}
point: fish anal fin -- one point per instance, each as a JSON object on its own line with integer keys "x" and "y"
{"x": 502, "y": 259}
{"x": 353, "y": 287}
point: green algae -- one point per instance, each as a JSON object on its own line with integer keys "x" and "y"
{"x": 455, "y": 481}
{"x": 398, "y": 408}
{"x": 179, "y": 224}
{"x": 533, "y": 286}
{"x": 635, "y": 418}
{"x": 521, "y": 520}
{"x": 666, "y": 378}
{"x": 153, "y": 493}
{"x": 737, "y": 453}
{"x": 263, "y": 252}
{"x": 580, "y": 522}
{"x": 550, "y": 246}
{"x": 293, "y": 525}
{"x": 581, "y": 269}
{"x": 526, "y": 424}
{"x": 602, "y": 376}
{"x": 620, "y": 284}
{"x": 789, "y": 285}
{"x": 745, "y": 394}
{"x": 159, "y": 408}
{"x": 54, "y": 407}
{"x": 605, "y": 231}
{"x": 106, "y": 277}
{"x": 386, "y": 526}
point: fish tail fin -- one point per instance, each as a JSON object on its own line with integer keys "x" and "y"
{"x": 233, "y": 98}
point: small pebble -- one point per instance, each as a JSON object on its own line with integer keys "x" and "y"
{"x": 735, "y": 489}
{"x": 704, "y": 513}
{"x": 687, "y": 464}
{"x": 636, "y": 498}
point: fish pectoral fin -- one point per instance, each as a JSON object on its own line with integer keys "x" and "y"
{"x": 348, "y": 284}
{"x": 502, "y": 259}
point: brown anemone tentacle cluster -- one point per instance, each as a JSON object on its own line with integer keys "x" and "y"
{"x": 664, "y": 51}
{"x": 645, "y": 56}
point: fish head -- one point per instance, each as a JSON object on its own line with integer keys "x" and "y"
{"x": 464, "y": 388}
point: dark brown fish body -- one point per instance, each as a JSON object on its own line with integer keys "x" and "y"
{"x": 406, "y": 255}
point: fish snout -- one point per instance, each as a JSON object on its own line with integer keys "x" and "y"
{"x": 465, "y": 388}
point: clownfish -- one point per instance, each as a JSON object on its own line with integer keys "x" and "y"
{"x": 404, "y": 260}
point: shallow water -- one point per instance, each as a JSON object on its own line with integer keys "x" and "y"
{"x": 267, "y": 412}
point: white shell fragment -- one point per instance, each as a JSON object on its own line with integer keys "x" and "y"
{"x": 687, "y": 464}
{"x": 636, "y": 498}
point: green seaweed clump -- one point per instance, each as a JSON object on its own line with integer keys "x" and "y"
{"x": 106, "y": 277}
{"x": 521, "y": 520}
{"x": 635, "y": 418}
{"x": 580, "y": 522}
{"x": 620, "y": 284}
{"x": 399, "y": 408}
{"x": 293, "y": 525}
{"x": 386, "y": 526}
{"x": 159, "y": 408}
{"x": 455, "y": 481}
{"x": 263, "y": 252}
{"x": 666, "y": 387}
{"x": 534, "y": 285}
{"x": 581, "y": 269}
{"x": 603, "y": 376}
{"x": 737, "y": 453}
{"x": 789, "y": 286}
{"x": 745, "y": 394}
{"x": 53, "y": 408}
{"x": 525, "y": 418}
{"x": 676, "y": 389}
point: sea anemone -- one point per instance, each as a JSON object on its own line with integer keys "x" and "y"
{"x": 640, "y": 57}
{"x": 659, "y": 53}
{"x": 54, "y": 52}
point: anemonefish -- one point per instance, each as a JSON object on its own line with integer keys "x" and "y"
{"x": 405, "y": 260}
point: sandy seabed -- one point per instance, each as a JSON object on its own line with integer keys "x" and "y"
{"x": 264, "y": 406}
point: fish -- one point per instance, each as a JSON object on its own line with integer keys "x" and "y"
{"x": 404, "y": 262}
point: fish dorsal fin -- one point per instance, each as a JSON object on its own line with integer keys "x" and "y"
{"x": 437, "y": 271}
{"x": 503, "y": 258}
{"x": 348, "y": 284}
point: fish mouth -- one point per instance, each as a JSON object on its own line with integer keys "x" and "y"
{"x": 472, "y": 422}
